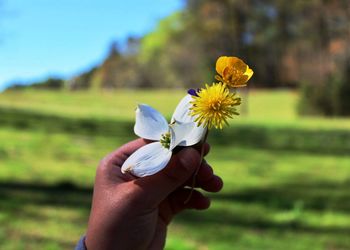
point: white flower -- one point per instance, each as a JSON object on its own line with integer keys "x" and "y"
{"x": 151, "y": 125}
{"x": 182, "y": 115}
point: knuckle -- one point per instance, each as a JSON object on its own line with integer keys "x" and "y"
{"x": 137, "y": 197}
{"x": 180, "y": 171}
{"x": 103, "y": 162}
{"x": 174, "y": 175}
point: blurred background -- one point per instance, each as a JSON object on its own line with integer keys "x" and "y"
{"x": 72, "y": 72}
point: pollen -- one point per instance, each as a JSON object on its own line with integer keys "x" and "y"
{"x": 214, "y": 105}
{"x": 165, "y": 140}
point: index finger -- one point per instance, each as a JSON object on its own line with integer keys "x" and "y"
{"x": 118, "y": 156}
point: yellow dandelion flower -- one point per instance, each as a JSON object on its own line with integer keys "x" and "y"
{"x": 213, "y": 105}
{"x": 233, "y": 71}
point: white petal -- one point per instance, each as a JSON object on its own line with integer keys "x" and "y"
{"x": 193, "y": 137}
{"x": 185, "y": 134}
{"x": 147, "y": 160}
{"x": 181, "y": 113}
{"x": 150, "y": 124}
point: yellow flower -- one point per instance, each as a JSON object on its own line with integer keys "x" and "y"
{"x": 233, "y": 71}
{"x": 213, "y": 105}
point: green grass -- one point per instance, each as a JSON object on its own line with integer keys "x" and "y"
{"x": 277, "y": 108}
{"x": 289, "y": 191}
{"x": 114, "y": 105}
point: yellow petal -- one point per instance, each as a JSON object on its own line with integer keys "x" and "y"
{"x": 225, "y": 61}
{"x": 239, "y": 66}
{"x": 233, "y": 71}
{"x": 249, "y": 73}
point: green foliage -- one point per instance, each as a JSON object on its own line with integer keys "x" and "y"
{"x": 341, "y": 93}
{"x": 330, "y": 98}
{"x": 48, "y": 84}
{"x": 315, "y": 100}
{"x": 84, "y": 81}
{"x": 171, "y": 56}
{"x": 117, "y": 71}
{"x": 154, "y": 42}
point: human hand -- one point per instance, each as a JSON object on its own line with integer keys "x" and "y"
{"x": 131, "y": 213}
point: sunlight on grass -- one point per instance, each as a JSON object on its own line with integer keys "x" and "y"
{"x": 272, "y": 107}
{"x": 283, "y": 188}
{"x": 113, "y": 105}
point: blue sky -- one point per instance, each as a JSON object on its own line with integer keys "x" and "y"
{"x": 41, "y": 38}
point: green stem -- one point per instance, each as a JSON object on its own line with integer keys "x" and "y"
{"x": 197, "y": 170}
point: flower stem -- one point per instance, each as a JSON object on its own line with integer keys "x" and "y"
{"x": 197, "y": 170}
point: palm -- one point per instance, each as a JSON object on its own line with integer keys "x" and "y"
{"x": 130, "y": 213}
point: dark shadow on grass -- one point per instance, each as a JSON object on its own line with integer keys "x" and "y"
{"x": 336, "y": 142}
{"x": 316, "y": 141}
{"x": 312, "y": 197}
{"x": 40, "y": 240}
{"x": 31, "y": 120}
{"x": 291, "y": 198}
{"x": 66, "y": 194}
{"x": 318, "y": 196}
{"x": 223, "y": 222}
{"x": 23, "y": 201}
{"x": 225, "y": 218}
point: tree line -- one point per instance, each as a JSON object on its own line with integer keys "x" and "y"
{"x": 296, "y": 44}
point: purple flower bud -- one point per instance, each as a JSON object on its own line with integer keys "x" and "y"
{"x": 193, "y": 92}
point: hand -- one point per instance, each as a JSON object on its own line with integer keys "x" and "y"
{"x": 131, "y": 213}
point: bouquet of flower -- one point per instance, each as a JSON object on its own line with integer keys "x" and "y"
{"x": 199, "y": 111}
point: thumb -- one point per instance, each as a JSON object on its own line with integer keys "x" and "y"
{"x": 181, "y": 167}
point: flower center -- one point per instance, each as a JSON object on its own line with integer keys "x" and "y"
{"x": 165, "y": 140}
{"x": 214, "y": 105}
{"x": 232, "y": 74}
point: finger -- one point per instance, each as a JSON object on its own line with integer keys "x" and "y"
{"x": 205, "y": 147}
{"x": 207, "y": 180}
{"x": 205, "y": 172}
{"x": 109, "y": 167}
{"x": 196, "y": 201}
{"x": 213, "y": 185}
{"x": 109, "y": 171}
{"x": 118, "y": 156}
{"x": 176, "y": 203}
{"x": 180, "y": 168}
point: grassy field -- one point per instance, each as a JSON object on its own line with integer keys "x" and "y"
{"x": 287, "y": 179}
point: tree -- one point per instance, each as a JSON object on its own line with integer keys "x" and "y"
{"x": 326, "y": 64}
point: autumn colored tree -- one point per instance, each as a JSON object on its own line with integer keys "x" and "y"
{"x": 287, "y": 43}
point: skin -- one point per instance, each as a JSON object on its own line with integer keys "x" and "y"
{"x": 133, "y": 213}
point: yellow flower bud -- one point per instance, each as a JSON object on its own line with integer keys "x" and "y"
{"x": 233, "y": 71}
